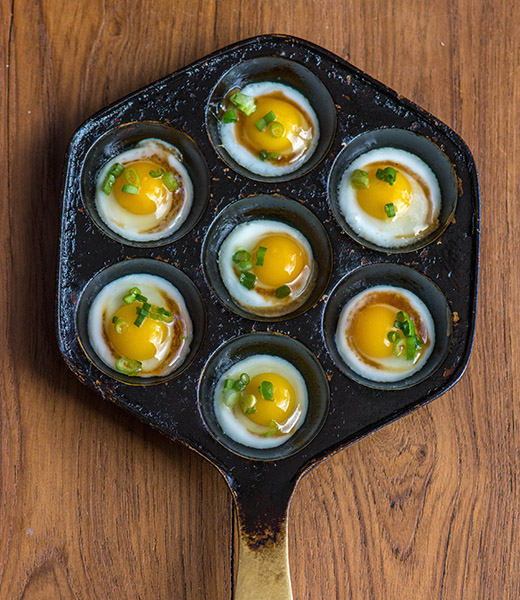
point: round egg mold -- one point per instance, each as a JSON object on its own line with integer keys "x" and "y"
{"x": 125, "y": 137}
{"x": 275, "y": 208}
{"x": 285, "y": 347}
{"x": 134, "y": 266}
{"x": 411, "y": 142}
{"x": 179, "y": 101}
{"x": 400, "y": 276}
{"x": 277, "y": 70}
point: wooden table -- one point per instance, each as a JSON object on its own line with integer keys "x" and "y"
{"x": 93, "y": 504}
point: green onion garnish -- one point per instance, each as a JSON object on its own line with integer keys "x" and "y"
{"x": 393, "y": 336}
{"x": 260, "y": 255}
{"x": 282, "y": 292}
{"x": 264, "y": 155}
{"x": 116, "y": 169}
{"x": 229, "y": 384}
{"x": 240, "y": 256}
{"x": 277, "y": 129}
{"x": 359, "y": 179}
{"x": 273, "y": 428}
{"x": 244, "y": 265}
{"x": 114, "y": 318}
{"x": 244, "y": 378}
{"x": 143, "y": 312}
{"x": 156, "y": 174}
{"x": 128, "y": 366}
{"x": 108, "y": 183}
{"x": 132, "y": 177}
{"x": 390, "y": 210}
{"x": 170, "y": 181}
{"x": 130, "y": 297}
{"x": 130, "y": 189}
{"x": 231, "y": 398}
{"x": 408, "y": 346}
{"x": 388, "y": 174}
{"x": 262, "y": 123}
{"x": 405, "y": 324}
{"x": 141, "y": 298}
{"x": 247, "y": 279}
{"x": 267, "y": 390}
{"x": 120, "y": 323}
{"x": 244, "y": 103}
{"x": 230, "y": 116}
{"x": 248, "y": 404}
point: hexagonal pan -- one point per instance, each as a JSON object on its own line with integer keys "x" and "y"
{"x": 262, "y": 488}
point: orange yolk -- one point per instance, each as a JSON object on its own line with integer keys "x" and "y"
{"x": 284, "y": 260}
{"x": 280, "y": 408}
{"x": 370, "y": 330}
{"x": 138, "y": 343}
{"x": 373, "y": 198}
{"x": 151, "y": 194}
{"x": 297, "y": 130}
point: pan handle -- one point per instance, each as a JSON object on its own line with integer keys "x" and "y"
{"x": 263, "y": 571}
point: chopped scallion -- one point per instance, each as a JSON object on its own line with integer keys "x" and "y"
{"x": 229, "y": 384}
{"x": 260, "y": 255}
{"x": 267, "y": 390}
{"x": 240, "y": 256}
{"x": 114, "y": 318}
{"x": 170, "y": 181}
{"x": 248, "y": 279}
{"x": 273, "y": 429}
{"x": 132, "y": 177}
{"x": 244, "y": 378}
{"x": 156, "y": 174}
{"x": 120, "y": 324}
{"x": 130, "y": 189}
{"x": 390, "y": 210}
{"x": 244, "y": 103}
{"x": 248, "y": 404}
{"x": 262, "y": 155}
{"x": 277, "y": 129}
{"x": 387, "y": 174}
{"x": 116, "y": 169}
{"x": 359, "y": 179}
{"x": 128, "y": 366}
{"x": 244, "y": 265}
{"x": 393, "y": 336}
{"x": 262, "y": 123}
{"x": 108, "y": 183}
{"x": 230, "y": 116}
{"x": 282, "y": 292}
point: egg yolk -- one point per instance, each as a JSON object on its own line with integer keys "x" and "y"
{"x": 283, "y": 261}
{"x": 151, "y": 192}
{"x": 280, "y": 408}
{"x": 138, "y": 343}
{"x": 370, "y": 330}
{"x": 373, "y": 198}
{"x": 294, "y": 135}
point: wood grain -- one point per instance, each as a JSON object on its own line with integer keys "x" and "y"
{"x": 94, "y": 505}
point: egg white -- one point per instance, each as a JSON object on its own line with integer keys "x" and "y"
{"x": 406, "y": 227}
{"x": 154, "y": 226}
{"x": 246, "y": 236}
{"x": 391, "y": 368}
{"x": 235, "y": 424}
{"x": 250, "y": 160}
{"x": 110, "y": 299}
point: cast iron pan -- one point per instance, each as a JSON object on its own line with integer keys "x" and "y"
{"x": 356, "y": 113}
